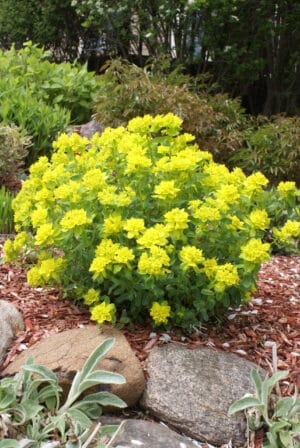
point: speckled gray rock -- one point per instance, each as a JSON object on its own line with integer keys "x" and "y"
{"x": 141, "y": 433}
{"x": 193, "y": 389}
{"x": 90, "y": 128}
{"x": 66, "y": 352}
{"x": 11, "y": 322}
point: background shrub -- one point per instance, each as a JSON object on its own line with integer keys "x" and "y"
{"x": 217, "y": 121}
{"x": 273, "y": 147}
{"x": 42, "y": 97}
{"x": 155, "y": 225}
{"x": 126, "y": 91}
{"x": 13, "y": 150}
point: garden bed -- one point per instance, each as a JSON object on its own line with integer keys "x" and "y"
{"x": 273, "y": 315}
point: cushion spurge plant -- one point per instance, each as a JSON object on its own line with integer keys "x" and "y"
{"x": 139, "y": 221}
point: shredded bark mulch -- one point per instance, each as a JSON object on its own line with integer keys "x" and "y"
{"x": 266, "y": 326}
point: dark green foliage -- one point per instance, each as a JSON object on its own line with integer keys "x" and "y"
{"x": 250, "y": 47}
{"x": 6, "y": 212}
{"x": 51, "y": 23}
{"x": 273, "y": 147}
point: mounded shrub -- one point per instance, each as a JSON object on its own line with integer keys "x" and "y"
{"x": 140, "y": 222}
{"x": 273, "y": 147}
{"x": 13, "y": 150}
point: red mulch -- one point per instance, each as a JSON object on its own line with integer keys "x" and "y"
{"x": 271, "y": 318}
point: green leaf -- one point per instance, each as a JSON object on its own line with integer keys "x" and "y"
{"x": 276, "y": 427}
{"x": 9, "y": 443}
{"x": 74, "y": 390}
{"x": 247, "y": 281}
{"x": 243, "y": 403}
{"x": 7, "y": 400}
{"x": 102, "y": 398}
{"x": 207, "y": 292}
{"x": 101, "y": 377}
{"x": 96, "y": 356}
{"x": 284, "y": 406}
{"x": 91, "y": 410}
{"x": 286, "y": 439}
{"x": 43, "y": 371}
{"x": 79, "y": 417}
{"x": 49, "y": 392}
{"x": 257, "y": 381}
{"x": 278, "y": 376}
{"x": 30, "y": 409}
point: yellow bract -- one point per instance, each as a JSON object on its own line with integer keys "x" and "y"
{"x": 225, "y": 275}
{"x": 160, "y": 312}
{"x": 290, "y": 230}
{"x": 103, "y": 312}
{"x": 259, "y": 219}
{"x": 191, "y": 257}
{"x": 255, "y": 251}
{"x": 74, "y": 218}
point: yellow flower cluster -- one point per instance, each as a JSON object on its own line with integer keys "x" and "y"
{"x": 91, "y": 296}
{"x": 155, "y": 263}
{"x": 207, "y": 213}
{"x": 154, "y": 236}
{"x": 210, "y": 268}
{"x": 291, "y": 229}
{"x": 166, "y": 190}
{"x": 39, "y": 216}
{"x": 73, "y": 218}
{"x": 134, "y": 227}
{"x": 160, "y": 312}
{"x": 259, "y": 219}
{"x": 191, "y": 257}
{"x": 176, "y": 220}
{"x": 226, "y": 275}
{"x": 227, "y": 195}
{"x": 45, "y": 235}
{"x": 255, "y": 251}
{"x": 104, "y": 312}
{"x": 287, "y": 188}
{"x": 254, "y": 183}
{"x": 112, "y": 224}
{"x": 108, "y": 254}
{"x": 50, "y": 269}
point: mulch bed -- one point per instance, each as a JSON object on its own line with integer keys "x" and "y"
{"x": 271, "y": 319}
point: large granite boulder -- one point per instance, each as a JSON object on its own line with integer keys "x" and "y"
{"x": 11, "y": 322}
{"x": 193, "y": 389}
{"x": 66, "y": 352}
{"x": 135, "y": 433}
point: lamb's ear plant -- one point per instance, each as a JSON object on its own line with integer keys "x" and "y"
{"x": 279, "y": 415}
{"x": 31, "y": 413}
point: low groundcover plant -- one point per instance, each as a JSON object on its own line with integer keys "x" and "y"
{"x": 279, "y": 415}
{"x": 32, "y": 414}
{"x": 139, "y": 221}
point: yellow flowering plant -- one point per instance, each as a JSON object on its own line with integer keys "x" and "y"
{"x": 139, "y": 222}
